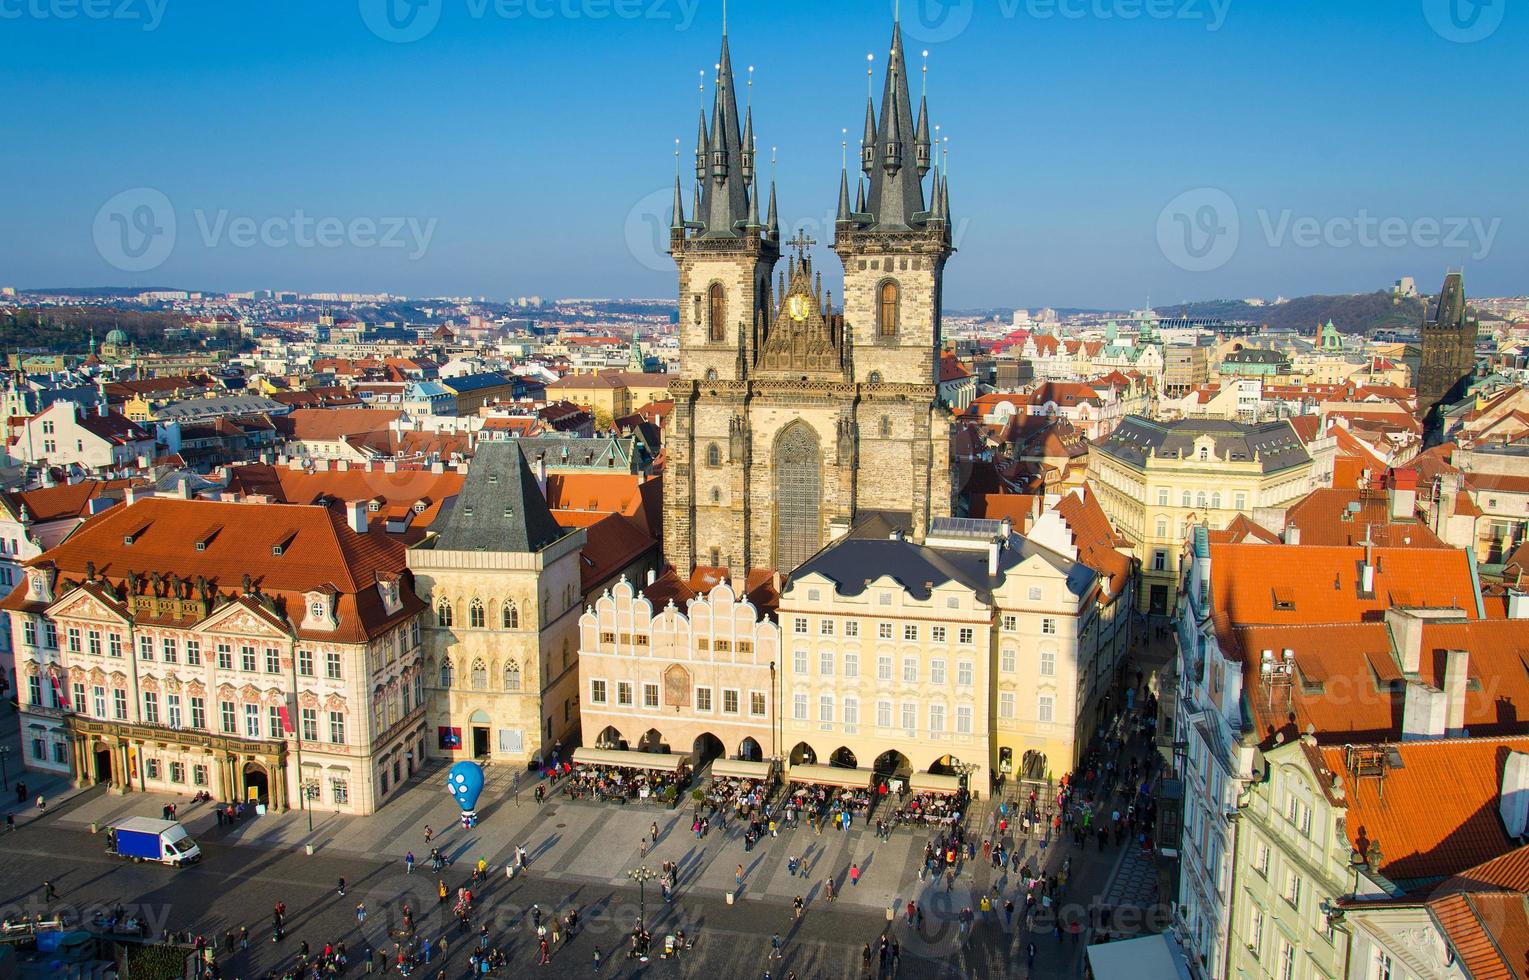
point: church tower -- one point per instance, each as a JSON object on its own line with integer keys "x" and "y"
{"x": 725, "y": 255}
{"x": 794, "y": 421}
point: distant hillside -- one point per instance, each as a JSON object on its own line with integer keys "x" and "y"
{"x": 67, "y": 330}
{"x": 1351, "y": 314}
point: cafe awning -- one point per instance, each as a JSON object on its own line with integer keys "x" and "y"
{"x": 929, "y": 782}
{"x": 832, "y": 776}
{"x": 655, "y": 761}
{"x": 741, "y": 769}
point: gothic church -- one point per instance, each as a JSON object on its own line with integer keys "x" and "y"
{"x": 795, "y": 421}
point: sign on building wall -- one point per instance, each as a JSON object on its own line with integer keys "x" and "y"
{"x": 512, "y": 741}
{"x": 450, "y": 738}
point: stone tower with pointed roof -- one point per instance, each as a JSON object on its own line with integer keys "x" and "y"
{"x": 793, "y": 420}
{"x": 1448, "y": 358}
{"x": 500, "y": 640}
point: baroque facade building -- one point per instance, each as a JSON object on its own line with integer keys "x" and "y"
{"x": 256, "y": 651}
{"x": 794, "y": 420}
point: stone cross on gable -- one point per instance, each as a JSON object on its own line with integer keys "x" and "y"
{"x": 801, "y": 242}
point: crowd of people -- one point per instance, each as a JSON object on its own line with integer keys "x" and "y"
{"x": 738, "y": 796}
{"x": 930, "y": 809}
{"x": 618, "y": 784}
{"x": 829, "y": 805}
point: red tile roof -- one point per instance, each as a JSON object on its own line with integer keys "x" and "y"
{"x": 1346, "y": 516}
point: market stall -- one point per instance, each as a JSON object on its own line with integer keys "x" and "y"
{"x": 616, "y": 776}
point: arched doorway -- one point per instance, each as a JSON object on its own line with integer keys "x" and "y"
{"x": 480, "y": 722}
{"x": 706, "y": 748}
{"x": 257, "y": 784}
{"x": 652, "y": 741}
{"x": 102, "y": 754}
{"x": 945, "y": 765}
{"x": 893, "y": 765}
{"x": 798, "y": 495}
{"x": 609, "y": 738}
{"x": 843, "y": 758}
{"x": 749, "y": 751}
{"x": 803, "y": 755}
{"x": 1033, "y": 766}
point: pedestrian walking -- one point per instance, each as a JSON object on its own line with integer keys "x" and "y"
{"x": 429, "y": 833}
{"x": 597, "y": 961}
{"x": 545, "y": 957}
{"x": 49, "y": 893}
{"x": 342, "y": 886}
{"x": 360, "y": 913}
{"x": 738, "y": 877}
{"x": 854, "y": 875}
{"x": 775, "y": 953}
{"x": 408, "y": 862}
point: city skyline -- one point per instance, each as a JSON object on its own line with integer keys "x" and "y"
{"x": 1101, "y": 192}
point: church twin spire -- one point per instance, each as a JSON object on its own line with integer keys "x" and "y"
{"x": 727, "y": 186}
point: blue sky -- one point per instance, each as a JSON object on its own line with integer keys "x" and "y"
{"x": 1102, "y": 151}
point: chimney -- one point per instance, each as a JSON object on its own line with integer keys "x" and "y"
{"x": 1518, "y": 604}
{"x": 1456, "y": 677}
{"x": 1406, "y": 637}
{"x": 183, "y": 488}
{"x": 541, "y": 474}
{"x": 652, "y": 576}
{"x": 355, "y": 516}
{"x": 134, "y": 494}
{"x": 1292, "y": 534}
{"x": 1424, "y": 713}
{"x": 1513, "y": 803}
{"x": 1404, "y": 495}
{"x": 1367, "y": 570}
{"x": 992, "y": 559}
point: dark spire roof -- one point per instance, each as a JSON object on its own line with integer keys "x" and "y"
{"x": 773, "y": 221}
{"x": 678, "y": 219}
{"x": 500, "y": 507}
{"x": 724, "y": 204}
{"x": 896, "y": 199}
{"x": 844, "y": 212}
{"x": 1452, "y": 309}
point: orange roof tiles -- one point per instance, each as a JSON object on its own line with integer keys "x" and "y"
{"x": 1344, "y": 516}
{"x": 66, "y": 500}
{"x": 1424, "y": 833}
{"x": 611, "y": 544}
{"x": 318, "y": 549}
{"x": 1095, "y": 538}
{"x": 1488, "y": 932}
{"x": 1324, "y": 583}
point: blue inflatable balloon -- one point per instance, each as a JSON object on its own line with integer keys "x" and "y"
{"x": 465, "y": 783}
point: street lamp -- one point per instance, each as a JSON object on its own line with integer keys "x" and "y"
{"x": 642, "y": 876}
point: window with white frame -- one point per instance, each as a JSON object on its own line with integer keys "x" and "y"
{"x": 332, "y": 665}
{"x": 252, "y": 721}
{"x": 757, "y": 705}
{"x": 624, "y": 693}
{"x": 963, "y": 719}
{"x": 1006, "y": 705}
{"x": 305, "y": 662}
{"x": 883, "y": 668}
{"x": 72, "y": 635}
{"x": 965, "y": 636}
{"x": 1256, "y": 931}
{"x": 1292, "y": 891}
{"x": 703, "y": 699}
{"x": 650, "y": 695}
{"x": 597, "y": 693}
{"x": 937, "y": 672}
{"x": 151, "y": 707}
{"x": 799, "y": 661}
{"x": 145, "y": 648}
{"x": 851, "y": 711}
{"x": 910, "y": 670}
{"x": 910, "y": 716}
{"x": 799, "y": 707}
{"x": 910, "y": 632}
{"x": 883, "y": 714}
{"x": 1008, "y": 660}
{"x": 884, "y": 631}
{"x": 826, "y": 709}
{"x": 167, "y": 648}
{"x": 1035, "y": 593}
{"x": 729, "y": 701}
{"x": 1045, "y": 709}
{"x": 1261, "y": 858}
{"x": 936, "y": 719}
{"x": 826, "y": 663}
{"x": 851, "y": 663}
{"x": 966, "y": 673}
{"x": 825, "y": 627}
{"x": 93, "y": 642}
{"x": 936, "y": 634}
{"x": 98, "y": 701}
{"x": 1010, "y": 623}
{"x": 799, "y": 626}
{"x": 1286, "y": 960}
{"x": 1048, "y": 626}
{"x": 173, "y": 710}
{"x": 851, "y": 627}
{"x": 1048, "y": 663}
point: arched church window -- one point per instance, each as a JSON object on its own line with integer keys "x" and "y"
{"x": 446, "y": 673}
{"x": 716, "y": 495}
{"x": 875, "y": 378}
{"x": 480, "y": 675}
{"x": 475, "y": 614}
{"x": 713, "y": 455}
{"x": 886, "y": 427}
{"x": 511, "y": 615}
{"x": 512, "y": 676}
{"x": 716, "y": 315}
{"x": 711, "y": 374}
{"x": 887, "y": 309}
{"x": 443, "y": 613}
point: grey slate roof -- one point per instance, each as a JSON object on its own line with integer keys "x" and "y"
{"x": 1275, "y": 444}
{"x": 613, "y": 453}
{"x": 852, "y": 563}
{"x": 500, "y": 507}
{"x": 219, "y": 406}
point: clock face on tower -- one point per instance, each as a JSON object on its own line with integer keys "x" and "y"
{"x": 797, "y": 307}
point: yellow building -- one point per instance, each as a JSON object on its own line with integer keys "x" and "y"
{"x": 1156, "y": 480}
{"x": 615, "y": 393}
{"x": 503, "y": 581}
{"x": 960, "y": 654}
